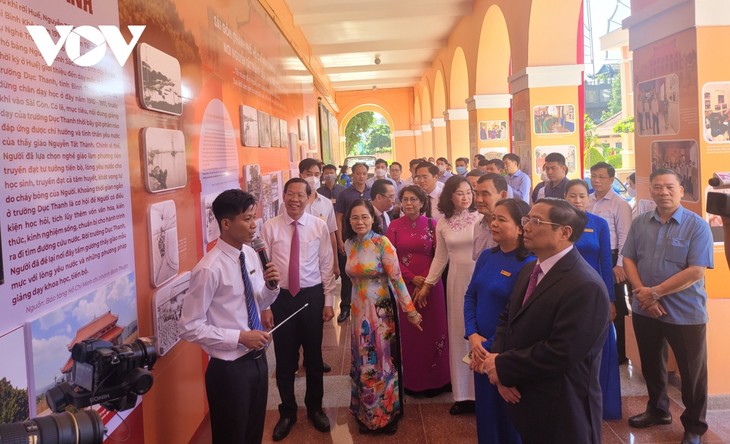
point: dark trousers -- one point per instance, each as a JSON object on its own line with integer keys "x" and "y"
{"x": 345, "y": 282}
{"x": 690, "y": 348}
{"x": 622, "y": 310}
{"x": 303, "y": 330}
{"x": 237, "y": 392}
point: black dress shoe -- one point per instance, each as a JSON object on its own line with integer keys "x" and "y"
{"x": 461, "y": 407}
{"x": 326, "y": 367}
{"x": 344, "y": 314}
{"x": 282, "y": 428}
{"x": 319, "y": 420}
{"x": 691, "y": 438}
{"x": 648, "y": 419}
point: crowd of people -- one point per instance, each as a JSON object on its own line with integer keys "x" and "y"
{"x": 511, "y": 297}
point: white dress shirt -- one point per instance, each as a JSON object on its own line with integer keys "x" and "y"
{"x": 549, "y": 263}
{"x": 435, "y": 195}
{"x": 214, "y": 310}
{"x": 315, "y": 251}
{"x": 617, "y": 212}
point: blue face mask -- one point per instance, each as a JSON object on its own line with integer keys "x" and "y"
{"x": 461, "y": 170}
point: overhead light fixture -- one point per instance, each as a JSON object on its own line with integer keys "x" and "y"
{"x": 377, "y": 59}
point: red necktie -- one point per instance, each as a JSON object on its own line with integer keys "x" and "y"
{"x": 532, "y": 284}
{"x": 294, "y": 261}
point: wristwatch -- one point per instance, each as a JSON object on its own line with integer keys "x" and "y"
{"x": 654, "y": 294}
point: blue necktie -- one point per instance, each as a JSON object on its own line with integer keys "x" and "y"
{"x": 254, "y": 322}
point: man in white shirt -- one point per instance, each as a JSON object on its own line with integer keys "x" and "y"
{"x": 442, "y": 164}
{"x": 427, "y": 179}
{"x": 300, "y": 245}
{"x": 228, "y": 289}
{"x": 606, "y": 203}
{"x": 381, "y": 172}
{"x": 382, "y": 195}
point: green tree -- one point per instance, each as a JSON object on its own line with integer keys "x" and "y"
{"x": 379, "y": 139}
{"x": 358, "y": 125}
{"x": 614, "y": 103}
{"x": 14, "y": 405}
{"x": 593, "y": 150}
{"x": 624, "y": 126}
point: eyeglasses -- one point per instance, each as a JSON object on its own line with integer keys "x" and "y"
{"x": 389, "y": 197}
{"x": 535, "y": 221}
{"x": 364, "y": 218}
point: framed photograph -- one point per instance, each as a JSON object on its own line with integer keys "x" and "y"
{"x": 492, "y": 130}
{"x": 682, "y": 156}
{"x": 167, "y": 306}
{"x": 283, "y": 133}
{"x": 252, "y": 179}
{"x": 657, "y": 101}
{"x": 524, "y": 151}
{"x": 277, "y": 190}
{"x": 569, "y": 151}
{"x": 312, "y": 133}
{"x": 302, "y": 129}
{"x": 519, "y": 126}
{"x": 275, "y": 132}
{"x": 160, "y": 80}
{"x": 249, "y": 125}
{"x": 164, "y": 259}
{"x": 267, "y": 202}
{"x": 210, "y": 224}
{"x": 264, "y": 130}
{"x": 554, "y": 119}
{"x": 494, "y": 152}
{"x": 716, "y": 122}
{"x": 164, "y": 153}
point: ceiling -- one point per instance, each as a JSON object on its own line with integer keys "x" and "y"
{"x": 405, "y": 35}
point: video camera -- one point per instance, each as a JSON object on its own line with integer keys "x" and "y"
{"x": 719, "y": 203}
{"x": 106, "y": 374}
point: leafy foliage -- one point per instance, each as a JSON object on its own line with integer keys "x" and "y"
{"x": 614, "y": 103}
{"x": 615, "y": 161}
{"x": 14, "y": 406}
{"x": 593, "y": 152}
{"x": 364, "y": 136}
{"x": 624, "y": 126}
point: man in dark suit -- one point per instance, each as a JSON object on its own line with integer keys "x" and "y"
{"x": 547, "y": 347}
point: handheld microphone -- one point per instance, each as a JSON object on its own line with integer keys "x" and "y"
{"x": 260, "y": 247}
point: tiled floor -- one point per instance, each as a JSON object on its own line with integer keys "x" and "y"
{"x": 428, "y": 421}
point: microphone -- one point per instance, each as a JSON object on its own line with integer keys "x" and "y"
{"x": 260, "y": 247}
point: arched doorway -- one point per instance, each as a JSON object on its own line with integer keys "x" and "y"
{"x": 368, "y": 129}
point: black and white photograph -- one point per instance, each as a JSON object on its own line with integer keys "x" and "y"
{"x": 682, "y": 156}
{"x": 164, "y": 258}
{"x": 283, "y": 133}
{"x": 302, "y": 129}
{"x": 312, "y": 133}
{"x": 210, "y": 224}
{"x": 249, "y": 125}
{"x": 14, "y": 400}
{"x": 275, "y": 132}
{"x": 168, "y": 302}
{"x": 716, "y": 123}
{"x": 252, "y": 178}
{"x": 657, "y": 100}
{"x": 160, "y": 81}
{"x": 264, "y": 130}
{"x": 164, "y": 151}
{"x": 267, "y": 203}
{"x": 277, "y": 190}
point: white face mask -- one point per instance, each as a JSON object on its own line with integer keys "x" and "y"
{"x": 313, "y": 182}
{"x": 380, "y": 173}
{"x": 442, "y": 168}
{"x": 329, "y": 178}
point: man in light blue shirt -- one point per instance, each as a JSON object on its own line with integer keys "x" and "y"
{"x": 519, "y": 181}
{"x": 665, "y": 257}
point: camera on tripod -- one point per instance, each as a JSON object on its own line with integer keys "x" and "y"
{"x": 106, "y": 374}
{"x": 719, "y": 203}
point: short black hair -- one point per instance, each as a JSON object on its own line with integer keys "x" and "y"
{"x": 480, "y": 157}
{"x": 329, "y": 166}
{"x": 483, "y": 162}
{"x": 358, "y": 165}
{"x": 573, "y": 182}
{"x": 564, "y": 213}
{"x": 294, "y": 180}
{"x": 433, "y": 169}
{"x": 379, "y": 187}
{"x": 413, "y": 163}
{"x": 400, "y": 167}
{"x": 347, "y": 231}
{"x": 446, "y": 205}
{"x": 377, "y": 161}
{"x": 632, "y": 177}
{"x": 555, "y": 157}
{"x": 443, "y": 159}
{"x": 609, "y": 168}
{"x": 420, "y": 194}
{"x": 663, "y": 172}
{"x": 517, "y": 209}
{"x": 308, "y": 163}
{"x": 474, "y": 173}
{"x": 498, "y": 180}
{"x": 231, "y": 203}
{"x": 513, "y": 157}
{"x": 462, "y": 159}
{"x": 496, "y": 162}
